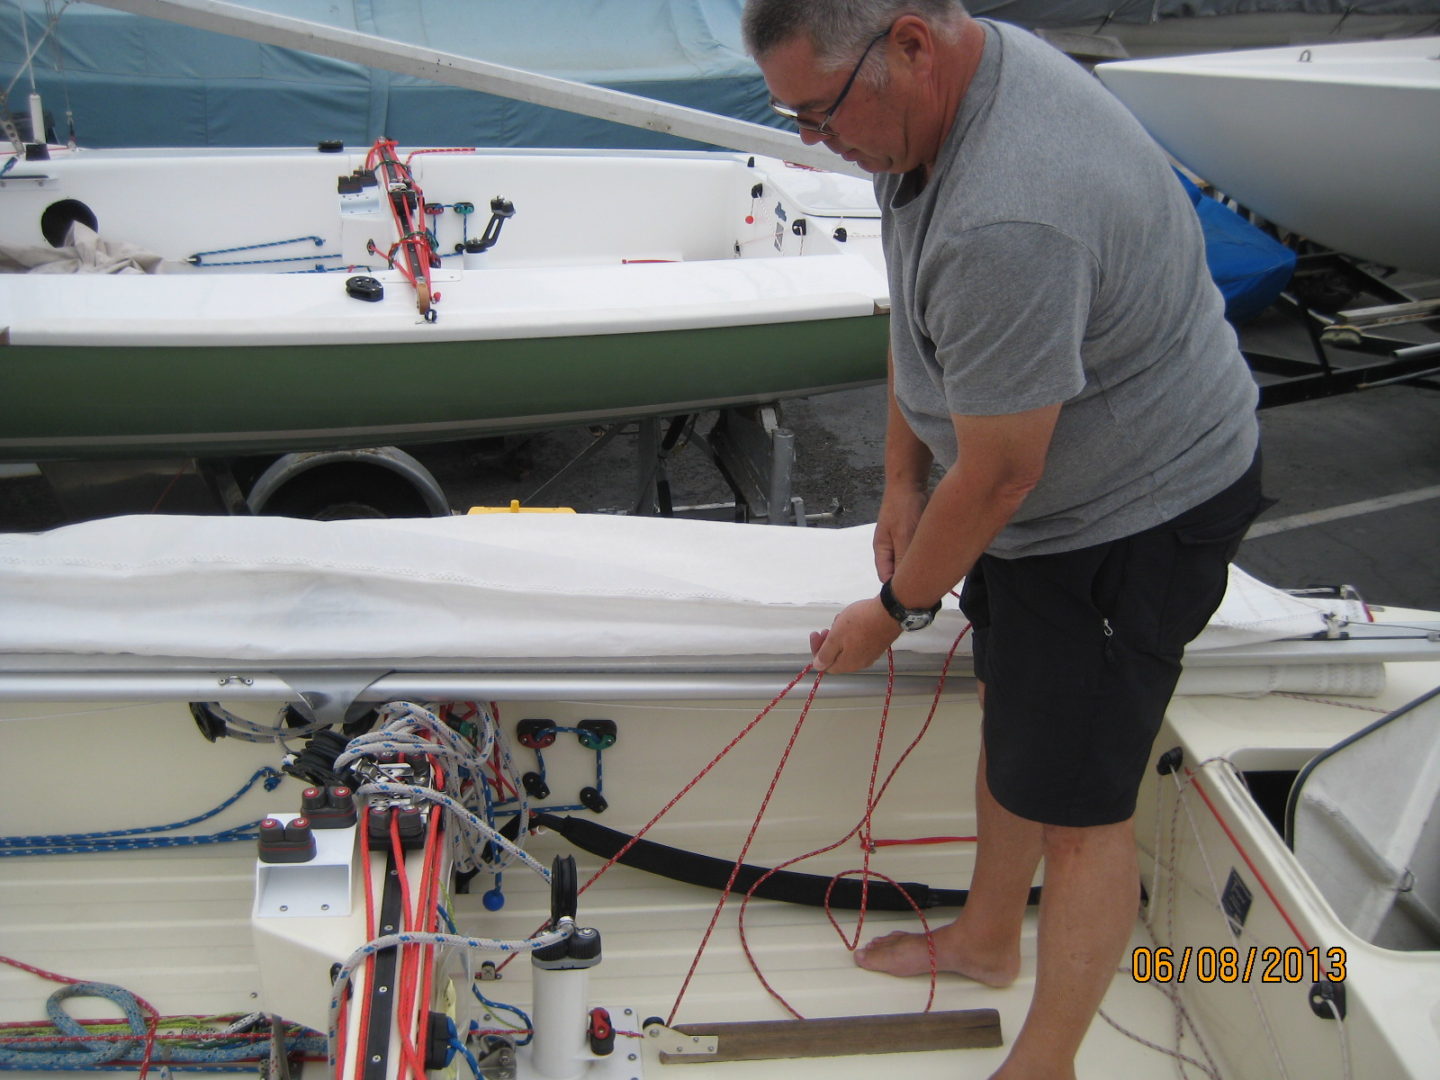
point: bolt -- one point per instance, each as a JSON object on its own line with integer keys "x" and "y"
{"x": 284, "y": 907}
{"x": 324, "y": 907}
{"x": 383, "y": 990}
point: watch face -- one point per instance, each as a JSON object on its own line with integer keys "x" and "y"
{"x": 916, "y": 620}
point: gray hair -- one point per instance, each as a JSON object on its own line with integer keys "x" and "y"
{"x": 839, "y": 29}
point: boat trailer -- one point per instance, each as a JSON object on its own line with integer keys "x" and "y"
{"x": 1323, "y": 285}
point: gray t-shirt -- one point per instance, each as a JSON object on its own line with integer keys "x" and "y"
{"x": 1054, "y": 257}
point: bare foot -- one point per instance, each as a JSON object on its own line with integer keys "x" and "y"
{"x": 905, "y": 954}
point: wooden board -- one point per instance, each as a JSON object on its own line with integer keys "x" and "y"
{"x": 844, "y": 1035}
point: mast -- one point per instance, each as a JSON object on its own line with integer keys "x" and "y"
{"x": 633, "y": 110}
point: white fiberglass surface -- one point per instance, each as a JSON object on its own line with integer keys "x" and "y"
{"x": 1402, "y": 62}
{"x": 173, "y": 926}
{"x": 211, "y": 213}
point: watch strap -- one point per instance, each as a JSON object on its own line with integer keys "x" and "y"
{"x": 899, "y": 612}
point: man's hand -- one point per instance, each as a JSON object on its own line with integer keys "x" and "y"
{"x": 857, "y": 638}
{"x": 900, "y": 512}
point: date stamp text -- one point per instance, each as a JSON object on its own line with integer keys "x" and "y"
{"x": 1270, "y": 964}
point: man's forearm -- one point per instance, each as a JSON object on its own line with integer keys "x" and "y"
{"x": 1000, "y": 461}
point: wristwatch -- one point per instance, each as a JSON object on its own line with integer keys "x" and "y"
{"x": 908, "y": 618}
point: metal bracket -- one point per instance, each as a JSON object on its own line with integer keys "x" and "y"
{"x": 499, "y": 1064}
{"x": 331, "y": 696}
{"x": 669, "y": 1041}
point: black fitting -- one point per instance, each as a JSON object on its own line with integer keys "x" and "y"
{"x": 1170, "y": 762}
{"x": 536, "y": 734}
{"x": 602, "y": 1033}
{"x": 292, "y": 843}
{"x": 597, "y": 734}
{"x": 564, "y": 889}
{"x": 330, "y": 807}
{"x": 438, "y": 1052}
{"x": 316, "y": 763}
{"x": 535, "y": 787}
{"x": 1324, "y": 995}
{"x": 362, "y": 287}
{"x": 210, "y": 723}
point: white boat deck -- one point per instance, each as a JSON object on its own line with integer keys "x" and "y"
{"x": 93, "y": 739}
{"x": 174, "y": 926}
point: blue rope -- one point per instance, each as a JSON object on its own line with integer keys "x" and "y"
{"x": 456, "y": 1044}
{"x": 195, "y": 259}
{"x": 140, "y": 838}
{"x": 248, "y": 1070}
{"x": 37, "y": 1054}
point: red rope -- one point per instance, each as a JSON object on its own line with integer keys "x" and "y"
{"x": 440, "y": 150}
{"x": 405, "y": 961}
{"x": 410, "y": 231}
{"x": 924, "y": 840}
{"x": 429, "y": 914}
{"x": 365, "y": 873}
{"x": 863, "y": 828}
{"x": 679, "y": 795}
{"x": 749, "y": 839}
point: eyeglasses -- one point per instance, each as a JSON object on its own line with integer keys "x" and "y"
{"x": 823, "y": 127}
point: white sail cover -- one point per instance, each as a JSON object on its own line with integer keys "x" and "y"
{"x": 491, "y": 587}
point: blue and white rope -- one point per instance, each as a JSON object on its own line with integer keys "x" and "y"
{"x": 38, "y": 1053}
{"x": 142, "y": 837}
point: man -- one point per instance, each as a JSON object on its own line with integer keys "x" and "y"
{"x": 1058, "y": 347}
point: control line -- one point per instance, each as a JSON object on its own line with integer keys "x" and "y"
{"x": 1336, "y": 513}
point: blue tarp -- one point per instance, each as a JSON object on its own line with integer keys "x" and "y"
{"x": 1250, "y": 266}
{"x": 133, "y": 81}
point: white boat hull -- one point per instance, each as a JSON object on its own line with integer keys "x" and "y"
{"x": 1336, "y": 143}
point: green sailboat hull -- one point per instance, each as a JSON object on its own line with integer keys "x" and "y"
{"x": 82, "y": 402}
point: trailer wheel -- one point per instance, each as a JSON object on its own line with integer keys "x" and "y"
{"x": 348, "y": 485}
